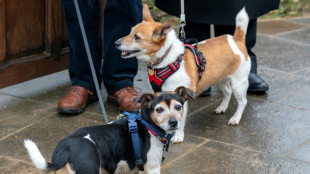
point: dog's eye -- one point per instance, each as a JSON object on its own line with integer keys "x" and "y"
{"x": 159, "y": 110}
{"x": 178, "y": 107}
{"x": 136, "y": 37}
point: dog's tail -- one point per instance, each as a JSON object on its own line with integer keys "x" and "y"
{"x": 242, "y": 21}
{"x": 61, "y": 157}
{"x": 35, "y": 155}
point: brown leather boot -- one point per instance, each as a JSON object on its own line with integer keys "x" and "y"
{"x": 124, "y": 98}
{"x": 76, "y": 99}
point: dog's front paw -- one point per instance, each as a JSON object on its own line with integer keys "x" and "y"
{"x": 220, "y": 110}
{"x": 234, "y": 121}
{"x": 178, "y": 137}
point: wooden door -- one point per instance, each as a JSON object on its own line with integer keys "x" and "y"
{"x": 33, "y": 40}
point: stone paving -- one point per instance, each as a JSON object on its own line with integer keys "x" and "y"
{"x": 273, "y": 135}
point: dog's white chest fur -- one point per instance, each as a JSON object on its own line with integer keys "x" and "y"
{"x": 179, "y": 78}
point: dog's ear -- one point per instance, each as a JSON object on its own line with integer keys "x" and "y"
{"x": 144, "y": 99}
{"x": 185, "y": 93}
{"x": 161, "y": 30}
{"x": 147, "y": 14}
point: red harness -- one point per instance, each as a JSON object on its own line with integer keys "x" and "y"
{"x": 157, "y": 76}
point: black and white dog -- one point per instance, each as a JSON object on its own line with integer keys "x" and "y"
{"x": 108, "y": 148}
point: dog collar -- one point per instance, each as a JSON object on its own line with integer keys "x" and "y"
{"x": 157, "y": 76}
{"x": 158, "y": 61}
{"x": 160, "y": 135}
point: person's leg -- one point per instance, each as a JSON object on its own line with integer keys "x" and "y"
{"x": 79, "y": 69}
{"x": 197, "y": 30}
{"x": 118, "y": 73}
{"x": 119, "y": 17}
{"x": 256, "y": 84}
{"x": 81, "y": 92}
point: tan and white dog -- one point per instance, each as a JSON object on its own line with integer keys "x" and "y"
{"x": 228, "y": 64}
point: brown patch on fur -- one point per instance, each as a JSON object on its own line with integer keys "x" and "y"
{"x": 243, "y": 49}
{"x": 146, "y": 13}
{"x": 154, "y": 115}
{"x": 154, "y": 118}
{"x": 145, "y": 31}
{"x": 65, "y": 170}
{"x": 239, "y": 35}
{"x": 221, "y": 62}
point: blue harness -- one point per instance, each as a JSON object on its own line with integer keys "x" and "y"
{"x": 133, "y": 129}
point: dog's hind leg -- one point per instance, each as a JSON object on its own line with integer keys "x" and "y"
{"x": 225, "y": 87}
{"x": 84, "y": 156}
{"x": 179, "y": 134}
{"x": 239, "y": 92}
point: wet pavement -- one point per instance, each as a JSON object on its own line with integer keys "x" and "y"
{"x": 273, "y": 135}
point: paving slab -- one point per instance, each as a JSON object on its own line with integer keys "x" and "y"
{"x": 21, "y": 113}
{"x": 303, "y": 72}
{"x": 305, "y": 20}
{"x": 302, "y": 36}
{"x": 270, "y": 53}
{"x": 286, "y": 88}
{"x": 301, "y": 153}
{"x": 45, "y": 133}
{"x": 270, "y": 27}
{"x": 215, "y": 157}
{"x": 11, "y": 166}
{"x": 265, "y": 126}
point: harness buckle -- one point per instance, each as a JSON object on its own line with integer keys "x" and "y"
{"x": 164, "y": 141}
{"x": 120, "y": 116}
{"x": 132, "y": 126}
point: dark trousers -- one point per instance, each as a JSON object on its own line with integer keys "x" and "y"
{"x": 202, "y": 32}
{"x": 119, "y": 17}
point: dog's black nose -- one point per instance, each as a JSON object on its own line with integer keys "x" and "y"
{"x": 118, "y": 43}
{"x": 173, "y": 122}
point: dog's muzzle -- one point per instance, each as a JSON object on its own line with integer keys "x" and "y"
{"x": 118, "y": 43}
{"x": 173, "y": 123}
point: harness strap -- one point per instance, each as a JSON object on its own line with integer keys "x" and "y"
{"x": 157, "y": 76}
{"x": 133, "y": 129}
{"x": 199, "y": 59}
{"x": 165, "y": 139}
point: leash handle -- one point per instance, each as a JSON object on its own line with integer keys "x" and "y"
{"x": 182, "y": 22}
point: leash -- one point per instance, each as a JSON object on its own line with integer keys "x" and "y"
{"x": 133, "y": 129}
{"x": 182, "y": 23}
{"x": 90, "y": 60}
{"x": 200, "y": 60}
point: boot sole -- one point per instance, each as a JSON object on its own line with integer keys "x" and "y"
{"x": 257, "y": 90}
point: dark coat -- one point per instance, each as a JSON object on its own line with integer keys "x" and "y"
{"x": 219, "y": 12}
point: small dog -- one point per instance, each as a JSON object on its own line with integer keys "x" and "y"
{"x": 228, "y": 64}
{"x": 108, "y": 148}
